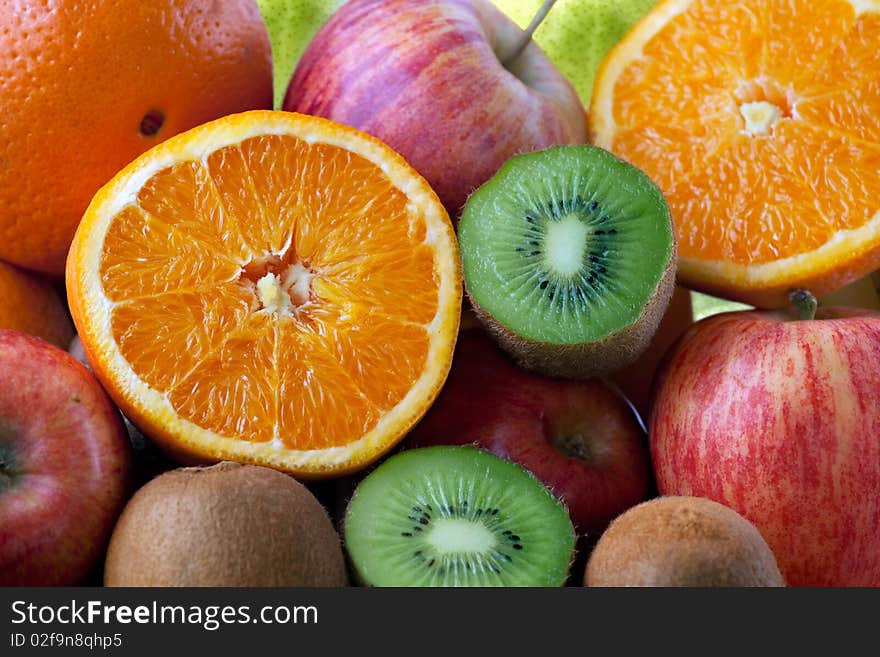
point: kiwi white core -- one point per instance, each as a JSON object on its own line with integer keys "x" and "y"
{"x": 564, "y": 246}
{"x": 760, "y": 116}
{"x": 460, "y": 536}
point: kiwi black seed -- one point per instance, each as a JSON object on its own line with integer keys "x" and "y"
{"x": 456, "y": 516}
{"x": 569, "y": 259}
{"x": 684, "y": 541}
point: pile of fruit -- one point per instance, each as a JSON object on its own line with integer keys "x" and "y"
{"x": 440, "y": 293}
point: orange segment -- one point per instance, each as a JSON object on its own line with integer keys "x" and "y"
{"x": 231, "y": 390}
{"x": 195, "y": 321}
{"x": 312, "y": 378}
{"x": 376, "y": 282}
{"x": 856, "y": 60}
{"x": 848, "y": 112}
{"x": 184, "y": 198}
{"x": 144, "y": 256}
{"x": 232, "y": 179}
{"x": 759, "y": 121}
{"x": 270, "y": 288}
{"x": 376, "y": 342}
{"x": 276, "y": 194}
{"x": 801, "y": 36}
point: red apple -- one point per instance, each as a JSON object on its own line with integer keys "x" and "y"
{"x": 64, "y": 465}
{"x": 778, "y": 419}
{"x": 426, "y": 77}
{"x": 580, "y": 438}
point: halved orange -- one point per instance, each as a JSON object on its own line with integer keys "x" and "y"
{"x": 270, "y": 288}
{"x": 758, "y": 119}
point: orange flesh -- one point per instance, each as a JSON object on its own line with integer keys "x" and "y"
{"x": 181, "y": 266}
{"x": 757, "y": 198}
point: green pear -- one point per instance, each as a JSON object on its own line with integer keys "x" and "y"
{"x": 291, "y": 25}
{"x": 861, "y": 293}
{"x": 577, "y": 34}
{"x": 705, "y": 305}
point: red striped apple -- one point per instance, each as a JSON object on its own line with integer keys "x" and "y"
{"x": 778, "y": 419}
{"x": 426, "y": 76}
{"x": 65, "y": 465}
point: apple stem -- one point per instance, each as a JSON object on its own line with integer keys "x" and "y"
{"x": 805, "y": 303}
{"x": 526, "y": 37}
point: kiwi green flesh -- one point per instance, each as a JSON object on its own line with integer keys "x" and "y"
{"x": 456, "y": 516}
{"x": 565, "y": 245}
{"x": 585, "y": 360}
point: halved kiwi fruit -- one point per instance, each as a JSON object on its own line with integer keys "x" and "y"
{"x": 224, "y": 525}
{"x": 569, "y": 259}
{"x": 456, "y": 516}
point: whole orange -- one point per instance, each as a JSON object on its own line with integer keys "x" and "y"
{"x": 89, "y": 85}
{"x": 30, "y": 304}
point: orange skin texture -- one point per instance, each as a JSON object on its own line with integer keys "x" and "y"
{"x": 78, "y": 78}
{"x": 67, "y": 471}
{"x": 31, "y": 304}
{"x": 422, "y": 76}
{"x": 778, "y": 420}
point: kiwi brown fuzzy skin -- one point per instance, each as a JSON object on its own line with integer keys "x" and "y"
{"x": 682, "y": 541}
{"x": 586, "y": 360}
{"x": 228, "y": 525}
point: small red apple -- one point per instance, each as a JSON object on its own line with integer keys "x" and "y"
{"x": 580, "y": 438}
{"x": 778, "y": 419}
{"x": 426, "y": 77}
{"x": 64, "y": 465}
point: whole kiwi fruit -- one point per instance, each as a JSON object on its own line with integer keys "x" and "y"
{"x": 228, "y": 525}
{"x": 682, "y": 541}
